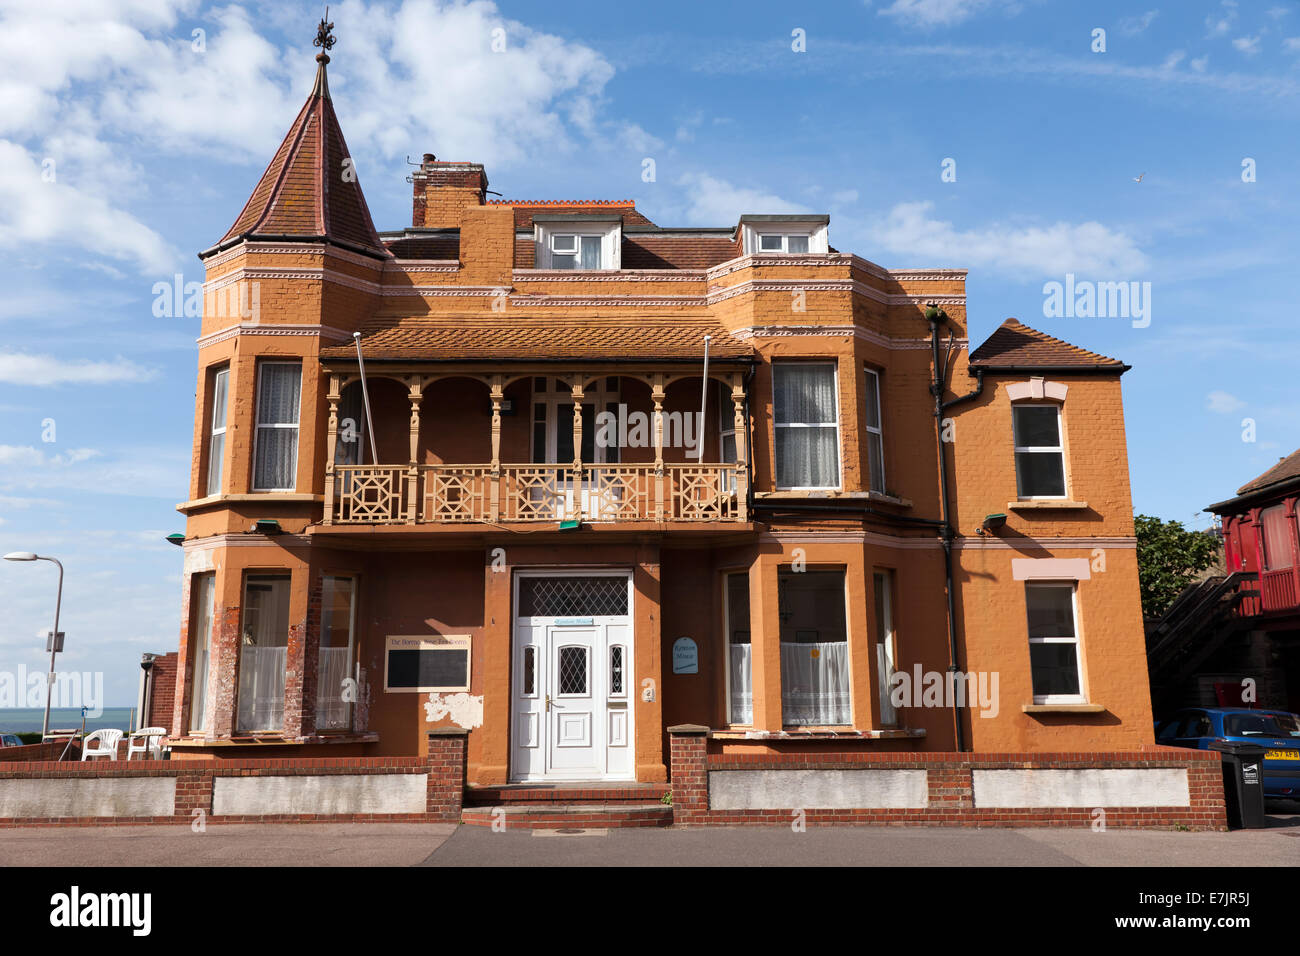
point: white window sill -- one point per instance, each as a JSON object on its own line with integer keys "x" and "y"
{"x": 1080, "y": 708}
{"x": 286, "y": 497}
{"x": 1046, "y": 504}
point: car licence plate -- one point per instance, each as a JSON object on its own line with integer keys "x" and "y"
{"x": 1282, "y": 755}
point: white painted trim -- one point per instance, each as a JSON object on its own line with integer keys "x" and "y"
{"x": 1036, "y": 389}
{"x": 256, "y": 328}
{"x": 1051, "y": 569}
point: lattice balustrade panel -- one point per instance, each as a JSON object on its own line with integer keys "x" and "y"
{"x": 702, "y": 493}
{"x": 536, "y": 494}
{"x": 369, "y": 494}
{"x": 618, "y": 493}
{"x": 456, "y": 494}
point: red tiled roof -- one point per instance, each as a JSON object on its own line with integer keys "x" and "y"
{"x": 643, "y": 251}
{"x": 1016, "y": 345}
{"x": 446, "y": 246}
{"x": 1285, "y": 470}
{"x": 525, "y": 209}
{"x": 599, "y": 339}
{"x": 303, "y": 192}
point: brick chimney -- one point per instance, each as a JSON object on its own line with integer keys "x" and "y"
{"x": 442, "y": 191}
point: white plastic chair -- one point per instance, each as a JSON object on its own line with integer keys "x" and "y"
{"x": 101, "y": 743}
{"x": 147, "y": 741}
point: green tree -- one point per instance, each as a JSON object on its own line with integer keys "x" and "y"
{"x": 1169, "y": 559}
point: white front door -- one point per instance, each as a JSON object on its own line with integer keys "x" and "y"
{"x": 572, "y": 692}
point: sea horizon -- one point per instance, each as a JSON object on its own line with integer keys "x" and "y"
{"x": 19, "y": 720}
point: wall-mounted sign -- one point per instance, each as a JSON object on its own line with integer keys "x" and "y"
{"x": 686, "y": 656}
{"x": 426, "y": 663}
{"x": 572, "y": 621}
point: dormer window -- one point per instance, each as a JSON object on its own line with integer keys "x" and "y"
{"x": 579, "y": 243}
{"x": 782, "y": 242}
{"x": 575, "y": 251}
{"x": 789, "y": 235}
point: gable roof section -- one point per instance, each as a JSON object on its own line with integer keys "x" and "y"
{"x": 1287, "y": 469}
{"x": 597, "y": 339}
{"x": 1015, "y": 346}
{"x": 303, "y": 193}
{"x": 526, "y": 209}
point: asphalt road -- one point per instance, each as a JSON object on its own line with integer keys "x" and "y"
{"x": 383, "y": 844}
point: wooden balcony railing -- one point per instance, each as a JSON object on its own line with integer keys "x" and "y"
{"x": 1277, "y": 590}
{"x": 466, "y": 494}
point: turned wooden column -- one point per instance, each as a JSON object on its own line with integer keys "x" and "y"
{"x": 657, "y": 394}
{"x": 331, "y": 443}
{"x": 494, "y": 492}
{"x": 415, "y": 386}
{"x": 578, "y": 392}
{"x": 742, "y": 447}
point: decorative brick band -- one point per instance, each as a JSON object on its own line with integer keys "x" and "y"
{"x": 122, "y": 793}
{"x": 950, "y": 794}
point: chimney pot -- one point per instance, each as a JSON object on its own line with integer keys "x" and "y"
{"x": 429, "y": 158}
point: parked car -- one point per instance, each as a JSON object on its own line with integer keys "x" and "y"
{"x": 10, "y": 740}
{"x": 1277, "y": 730}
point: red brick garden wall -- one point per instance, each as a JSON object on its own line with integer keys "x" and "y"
{"x": 445, "y": 766}
{"x": 950, "y": 787}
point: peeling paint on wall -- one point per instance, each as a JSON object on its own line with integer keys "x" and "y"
{"x": 197, "y": 561}
{"x": 464, "y": 710}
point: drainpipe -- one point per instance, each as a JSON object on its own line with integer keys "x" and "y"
{"x": 936, "y": 315}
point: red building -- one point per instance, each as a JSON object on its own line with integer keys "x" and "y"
{"x": 1234, "y": 638}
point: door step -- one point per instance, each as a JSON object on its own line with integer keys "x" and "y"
{"x": 534, "y": 815}
{"x": 568, "y": 793}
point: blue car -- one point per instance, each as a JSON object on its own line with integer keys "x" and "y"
{"x": 1276, "y": 730}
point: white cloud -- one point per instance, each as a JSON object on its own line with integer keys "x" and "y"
{"x": 33, "y": 210}
{"x": 1199, "y": 63}
{"x": 142, "y": 472}
{"x": 1218, "y": 25}
{"x": 17, "y": 368}
{"x": 1291, "y": 44}
{"x": 82, "y": 80}
{"x": 1247, "y": 45}
{"x": 938, "y": 13}
{"x": 1087, "y": 249}
{"x": 716, "y": 202}
{"x": 1173, "y": 59}
{"x": 845, "y": 197}
{"x": 1132, "y": 26}
{"x": 1223, "y": 403}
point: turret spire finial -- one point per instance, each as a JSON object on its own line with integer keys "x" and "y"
{"x": 324, "y": 37}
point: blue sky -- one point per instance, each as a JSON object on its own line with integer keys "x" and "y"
{"x": 155, "y": 135}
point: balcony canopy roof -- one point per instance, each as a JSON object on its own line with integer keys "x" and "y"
{"x": 617, "y": 339}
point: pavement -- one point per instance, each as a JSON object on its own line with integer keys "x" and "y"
{"x": 412, "y": 844}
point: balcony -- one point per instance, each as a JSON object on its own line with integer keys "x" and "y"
{"x": 465, "y": 494}
{"x": 1277, "y": 592}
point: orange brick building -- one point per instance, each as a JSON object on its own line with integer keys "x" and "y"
{"x": 525, "y": 532}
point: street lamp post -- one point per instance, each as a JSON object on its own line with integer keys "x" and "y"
{"x": 54, "y": 639}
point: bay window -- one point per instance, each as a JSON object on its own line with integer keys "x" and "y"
{"x": 875, "y": 435}
{"x": 201, "y": 600}
{"x": 263, "y": 653}
{"x": 814, "y": 649}
{"x": 334, "y": 665}
{"x": 806, "y": 424}
{"x": 740, "y": 684}
{"x": 217, "y": 431}
{"x": 275, "y": 457}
